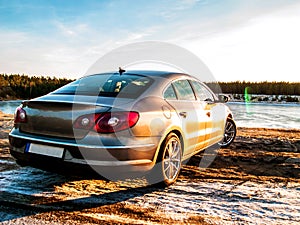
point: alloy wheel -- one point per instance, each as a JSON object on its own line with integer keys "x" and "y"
{"x": 171, "y": 160}
{"x": 229, "y": 133}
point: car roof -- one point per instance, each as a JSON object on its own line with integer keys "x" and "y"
{"x": 152, "y": 73}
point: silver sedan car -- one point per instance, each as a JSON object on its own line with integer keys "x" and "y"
{"x": 142, "y": 121}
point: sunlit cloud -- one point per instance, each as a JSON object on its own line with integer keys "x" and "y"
{"x": 264, "y": 48}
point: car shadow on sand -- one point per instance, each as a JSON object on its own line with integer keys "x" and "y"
{"x": 27, "y": 191}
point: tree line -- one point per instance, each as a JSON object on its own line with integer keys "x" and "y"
{"x": 25, "y": 87}
{"x": 263, "y": 88}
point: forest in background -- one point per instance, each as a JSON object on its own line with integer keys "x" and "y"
{"x": 26, "y": 87}
{"x": 259, "y": 91}
{"x": 261, "y": 88}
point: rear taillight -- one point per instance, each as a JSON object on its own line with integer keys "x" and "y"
{"x": 20, "y": 115}
{"x": 108, "y": 122}
{"x": 86, "y": 122}
{"x": 116, "y": 121}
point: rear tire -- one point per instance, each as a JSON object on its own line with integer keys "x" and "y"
{"x": 229, "y": 133}
{"x": 168, "y": 165}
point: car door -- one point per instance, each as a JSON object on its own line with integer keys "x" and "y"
{"x": 214, "y": 113}
{"x": 188, "y": 110}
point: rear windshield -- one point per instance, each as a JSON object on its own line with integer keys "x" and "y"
{"x": 110, "y": 85}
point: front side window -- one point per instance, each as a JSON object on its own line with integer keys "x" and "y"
{"x": 109, "y": 85}
{"x": 184, "y": 90}
{"x": 202, "y": 93}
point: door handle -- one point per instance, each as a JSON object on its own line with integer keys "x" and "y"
{"x": 183, "y": 114}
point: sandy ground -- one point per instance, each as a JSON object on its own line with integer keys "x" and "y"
{"x": 254, "y": 181}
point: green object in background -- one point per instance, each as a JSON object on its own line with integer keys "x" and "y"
{"x": 247, "y": 99}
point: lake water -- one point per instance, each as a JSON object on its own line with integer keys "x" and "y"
{"x": 9, "y": 106}
{"x": 267, "y": 115}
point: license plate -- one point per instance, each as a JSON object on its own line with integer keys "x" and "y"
{"x": 45, "y": 150}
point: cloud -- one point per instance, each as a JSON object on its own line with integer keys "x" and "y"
{"x": 265, "y": 48}
{"x": 70, "y": 52}
{"x": 71, "y": 29}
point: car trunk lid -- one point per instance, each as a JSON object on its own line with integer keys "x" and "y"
{"x": 55, "y": 115}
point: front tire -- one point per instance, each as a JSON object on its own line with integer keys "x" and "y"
{"x": 229, "y": 133}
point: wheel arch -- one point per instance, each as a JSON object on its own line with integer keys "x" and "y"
{"x": 176, "y": 131}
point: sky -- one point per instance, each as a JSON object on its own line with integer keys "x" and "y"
{"x": 251, "y": 40}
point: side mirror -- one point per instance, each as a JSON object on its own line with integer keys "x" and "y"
{"x": 223, "y": 98}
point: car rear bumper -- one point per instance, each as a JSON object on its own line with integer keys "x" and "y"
{"x": 137, "y": 157}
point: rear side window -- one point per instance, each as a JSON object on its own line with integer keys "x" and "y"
{"x": 110, "y": 85}
{"x": 184, "y": 90}
{"x": 170, "y": 93}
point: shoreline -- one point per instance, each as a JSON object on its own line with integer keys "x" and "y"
{"x": 6, "y": 124}
{"x": 263, "y": 102}
{"x": 242, "y": 128}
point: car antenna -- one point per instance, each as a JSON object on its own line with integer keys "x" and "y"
{"x": 121, "y": 71}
